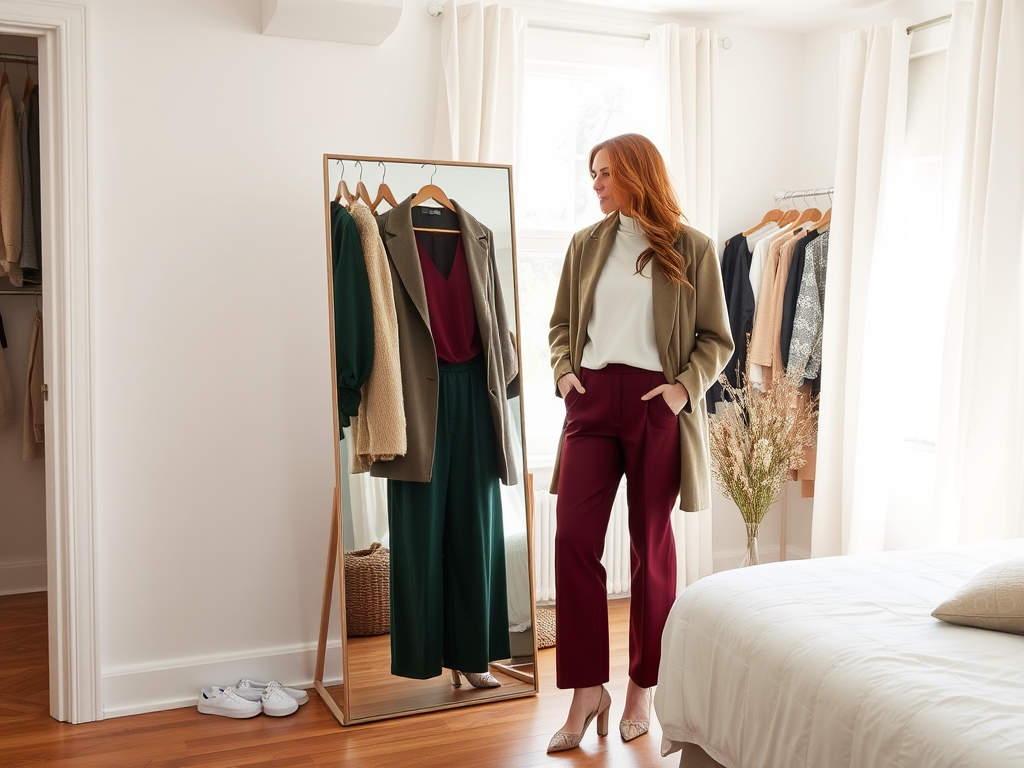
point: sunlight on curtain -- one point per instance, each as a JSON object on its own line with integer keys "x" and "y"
{"x": 860, "y": 372}
{"x": 481, "y": 85}
{"x": 981, "y": 443}
{"x": 683, "y": 64}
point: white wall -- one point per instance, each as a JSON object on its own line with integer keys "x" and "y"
{"x": 213, "y": 421}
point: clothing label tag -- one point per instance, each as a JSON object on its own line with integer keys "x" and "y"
{"x": 431, "y": 211}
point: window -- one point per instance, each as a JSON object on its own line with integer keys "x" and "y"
{"x": 570, "y": 102}
{"x": 918, "y": 270}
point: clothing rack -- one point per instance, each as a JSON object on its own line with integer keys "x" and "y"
{"x": 20, "y": 292}
{"x": 784, "y": 195}
{"x": 8, "y": 58}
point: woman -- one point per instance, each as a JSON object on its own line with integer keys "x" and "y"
{"x": 638, "y": 335}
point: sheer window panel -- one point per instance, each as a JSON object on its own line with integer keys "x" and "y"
{"x": 920, "y": 270}
{"x": 570, "y": 102}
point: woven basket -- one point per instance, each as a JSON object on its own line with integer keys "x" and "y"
{"x": 545, "y": 627}
{"x": 367, "y": 591}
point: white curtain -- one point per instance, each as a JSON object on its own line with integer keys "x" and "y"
{"x": 481, "y": 85}
{"x": 981, "y": 438}
{"x": 683, "y": 65}
{"x": 859, "y": 382}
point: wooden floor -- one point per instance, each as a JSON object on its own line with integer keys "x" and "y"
{"x": 513, "y": 733}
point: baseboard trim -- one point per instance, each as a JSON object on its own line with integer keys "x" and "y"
{"x": 135, "y": 690}
{"x": 23, "y": 577}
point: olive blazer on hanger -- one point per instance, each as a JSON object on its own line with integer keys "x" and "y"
{"x": 417, "y": 353}
{"x": 691, "y": 326}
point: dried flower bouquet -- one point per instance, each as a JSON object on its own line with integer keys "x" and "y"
{"x": 758, "y": 437}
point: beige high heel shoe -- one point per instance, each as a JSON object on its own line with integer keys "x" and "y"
{"x": 564, "y": 740}
{"x": 476, "y": 679}
{"x": 631, "y": 729}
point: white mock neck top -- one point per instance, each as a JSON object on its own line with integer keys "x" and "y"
{"x": 621, "y": 325}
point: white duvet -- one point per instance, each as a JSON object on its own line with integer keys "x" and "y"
{"x": 838, "y": 662}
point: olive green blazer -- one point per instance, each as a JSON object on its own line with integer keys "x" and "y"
{"x": 416, "y": 344}
{"x": 691, "y": 326}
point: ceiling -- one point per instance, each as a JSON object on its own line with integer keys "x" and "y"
{"x": 784, "y": 15}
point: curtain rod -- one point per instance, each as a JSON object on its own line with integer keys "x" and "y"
{"x": 930, "y": 23}
{"x": 556, "y": 27}
{"x": 784, "y": 195}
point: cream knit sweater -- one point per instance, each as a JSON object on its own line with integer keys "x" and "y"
{"x": 378, "y": 430}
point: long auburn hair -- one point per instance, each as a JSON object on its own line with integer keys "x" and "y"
{"x": 645, "y": 193}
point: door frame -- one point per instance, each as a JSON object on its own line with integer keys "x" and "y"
{"x": 74, "y": 648}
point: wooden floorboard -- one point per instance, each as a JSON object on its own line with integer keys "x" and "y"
{"x": 504, "y": 733}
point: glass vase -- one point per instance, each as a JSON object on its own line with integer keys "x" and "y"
{"x": 751, "y": 556}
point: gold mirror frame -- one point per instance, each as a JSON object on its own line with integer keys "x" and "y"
{"x": 367, "y": 691}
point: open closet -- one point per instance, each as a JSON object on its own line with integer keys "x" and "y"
{"x": 22, "y": 431}
{"x": 23, "y": 474}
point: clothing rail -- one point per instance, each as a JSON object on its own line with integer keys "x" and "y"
{"x": 784, "y": 195}
{"x": 21, "y": 292}
{"x": 18, "y": 57}
{"x": 930, "y": 23}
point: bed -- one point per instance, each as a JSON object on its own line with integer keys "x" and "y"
{"x": 838, "y": 662}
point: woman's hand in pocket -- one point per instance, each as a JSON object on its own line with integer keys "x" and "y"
{"x": 675, "y": 395}
{"x": 568, "y": 382}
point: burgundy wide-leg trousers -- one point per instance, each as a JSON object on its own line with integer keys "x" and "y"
{"x": 610, "y": 430}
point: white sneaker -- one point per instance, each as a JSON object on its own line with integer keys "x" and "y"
{"x": 253, "y": 690}
{"x": 214, "y": 700}
{"x": 276, "y": 702}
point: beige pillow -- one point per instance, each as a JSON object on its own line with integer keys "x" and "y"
{"x": 993, "y": 599}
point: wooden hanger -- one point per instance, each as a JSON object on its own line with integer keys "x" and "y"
{"x": 4, "y": 79}
{"x": 343, "y": 192}
{"x": 808, "y": 214}
{"x": 826, "y": 218}
{"x": 789, "y": 217}
{"x": 824, "y": 221}
{"x": 773, "y": 215}
{"x": 433, "y": 192}
{"x": 384, "y": 193}
{"x": 362, "y": 193}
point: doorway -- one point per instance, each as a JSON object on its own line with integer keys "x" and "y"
{"x": 73, "y": 650}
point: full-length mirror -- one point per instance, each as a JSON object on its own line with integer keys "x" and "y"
{"x": 436, "y": 570}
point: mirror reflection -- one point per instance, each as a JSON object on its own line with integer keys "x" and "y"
{"x": 438, "y": 594}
